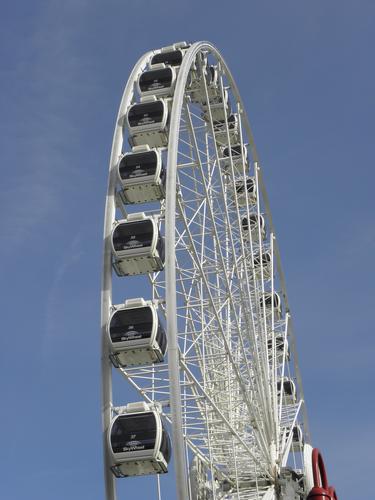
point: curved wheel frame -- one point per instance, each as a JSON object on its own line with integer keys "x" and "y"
{"x": 171, "y": 306}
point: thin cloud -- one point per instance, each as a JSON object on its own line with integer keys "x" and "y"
{"x": 52, "y": 320}
{"x": 42, "y": 172}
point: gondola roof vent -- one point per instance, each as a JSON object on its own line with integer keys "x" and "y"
{"x": 143, "y": 148}
{"x": 148, "y": 98}
{"x": 159, "y": 66}
{"x": 139, "y": 406}
{"x": 181, "y": 45}
{"x": 177, "y": 45}
{"x": 139, "y": 302}
{"x": 135, "y": 217}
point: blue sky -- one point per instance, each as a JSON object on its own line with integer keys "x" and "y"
{"x": 305, "y": 73}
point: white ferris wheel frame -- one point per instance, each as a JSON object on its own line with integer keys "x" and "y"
{"x": 179, "y": 452}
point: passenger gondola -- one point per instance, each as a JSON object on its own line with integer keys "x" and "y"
{"x": 212, "y": 79}
{"x": 257, "y": 224}
{"x": 269, "y": 301}
{"x": 265, "y": 260}
{"x": 142, "y": 175}
{"x": 248, "y": 187}
{"x": 196, "y": 85}
{"x": 239, "y": 158}
{"x": 220, "y": 130}
{"x": 219, "y": 108}
{"x": 171, "y": 56}
{"x": 137, "y": 337}
{"x": 212, "y": 82}
{"x": 138, "y": 442}
{"x": 287, "y": 390}
{"x": 148, "y": 122}
{"x": 137, "y": 246}
{"x": 281, "y": 345}
{"x": 297, "y": 439}
{"x": 159, "y": 80}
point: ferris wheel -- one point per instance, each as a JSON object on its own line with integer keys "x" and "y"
{"x": 195, "y": 315}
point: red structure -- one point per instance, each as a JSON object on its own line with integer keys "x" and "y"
{"x": 321, "y": 490}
